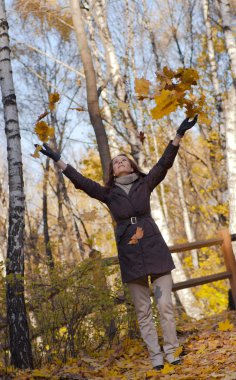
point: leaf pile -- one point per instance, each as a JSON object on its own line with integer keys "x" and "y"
{"x": 209, "y": 352}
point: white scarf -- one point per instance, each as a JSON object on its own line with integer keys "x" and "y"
{"x": 125, "y": 182}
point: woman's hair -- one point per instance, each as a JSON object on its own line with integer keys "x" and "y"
{"x": 111, "y": 180}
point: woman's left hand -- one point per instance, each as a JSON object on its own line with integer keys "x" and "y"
{"x": 185, "y": 125}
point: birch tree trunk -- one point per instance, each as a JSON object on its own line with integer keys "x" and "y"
{"x": 230, "y": 115}
{"x": 47, "y": 244}
{"x": 187, "y": 224}
{"x": 92, "y": 96}
{"x": 213, "y": 66}
{"x": 20, "y": 347}
{"x": 118, "y": 81}
{"x": 229, "y": 36}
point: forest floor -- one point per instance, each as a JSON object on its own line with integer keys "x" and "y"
{"x": 208, "y": 352}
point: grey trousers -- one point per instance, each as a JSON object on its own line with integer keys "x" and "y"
{"x": 140, "y": 293}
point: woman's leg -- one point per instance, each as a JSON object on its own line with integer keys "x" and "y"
{"x": 162, "y": 287}
{"x": 140, "y": 293}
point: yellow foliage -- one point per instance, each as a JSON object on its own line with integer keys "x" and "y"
{"x": 43, "y": 131}
{"x": 166, "y": 103}
{"x": 36, "y": 152}
{"x": 142, "y": 87}
{"x": 178, "y": 351}
{"x": 225, "y": 326}
{"x": 168, "y": 368}
{"x": 174, "y": 90}
{"x": 63, "y": 332}
{"x": 53, "y": 99}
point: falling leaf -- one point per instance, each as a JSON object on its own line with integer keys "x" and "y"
{"x": 88, "y": 216}
{"x": 225, "y": 326}
{"x": 43, "y": 131}
{"x": 138, "y": 235}
{"x": 190, "y": 76}
{"x": 142, "y": 88}
{"x": 203, "y": 119}
{"x": 166, "y": 103}
{"x": 141, "y": 137}
{"x": 36, "y": 152}
{"x": 123, "y": 106}
{"x": 53, "y": 99}
{"x": 168, "y": 72}
{"x": 42, "y": 115}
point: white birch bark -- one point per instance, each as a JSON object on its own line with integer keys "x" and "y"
{"x": 187, "y": 223}
{"x": 229, "y": 35}
{"x": 117, "y": 80}
{"x": 213, "y": 66}
{"x": 20, "y": 347}
{"x": 230, "y": 115}
{"x": 186, "y": 296}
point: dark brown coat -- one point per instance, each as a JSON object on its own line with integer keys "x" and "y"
{"x": 151, "y": 254}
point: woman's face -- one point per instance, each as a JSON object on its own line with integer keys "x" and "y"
{"x": 121, "y": 166}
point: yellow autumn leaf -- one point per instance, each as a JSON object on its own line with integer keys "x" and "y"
{"x": 151, "y": 373}
{"x": 201, "y": 349}
{"x": 36, "y": 152}
{"x": 53, "y": 99}
{"x": 189, "y": 76}
{"x": 123, "y": 106}
{"x": 203, "y": 119}
{"x": 166, "y": 103}
{"x": 43, "y": 131}
{"x": 178, "y": 351}
{"x": 63, "y": 331}
{"x": 168, "y": 72}
{"x": 225, "y": 326}
{"x": 142, "y": 87}
{"x": 167, "y": 369}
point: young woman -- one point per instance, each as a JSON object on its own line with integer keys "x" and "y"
{"x": 127, "y": 194}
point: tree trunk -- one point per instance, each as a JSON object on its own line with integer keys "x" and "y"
{"x": 48, "y": 249}
{"x": 187, "y": 224}
{"x": 213, "y": 66}
{"x": 118, "y": 82}
{"x": 230, "y": 115}
{"x": 20, "y": 347}
{"x": 229, "y": 36}
{"x": 92, "y": 96}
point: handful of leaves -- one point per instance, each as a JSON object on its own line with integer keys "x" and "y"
{"x": 42, "y": 129}
{"x": 174, "y": 89}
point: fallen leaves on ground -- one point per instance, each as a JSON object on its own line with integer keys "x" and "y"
{"x": 209, "y": 352}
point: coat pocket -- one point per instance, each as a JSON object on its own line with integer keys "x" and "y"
{"x": 152, "y": 227}
{"x": 120, "y": 230}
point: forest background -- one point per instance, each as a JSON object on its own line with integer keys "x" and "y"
{"x": 72, "y": 301}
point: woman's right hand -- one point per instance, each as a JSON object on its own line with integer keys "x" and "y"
{"x": 47, "y": 151}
